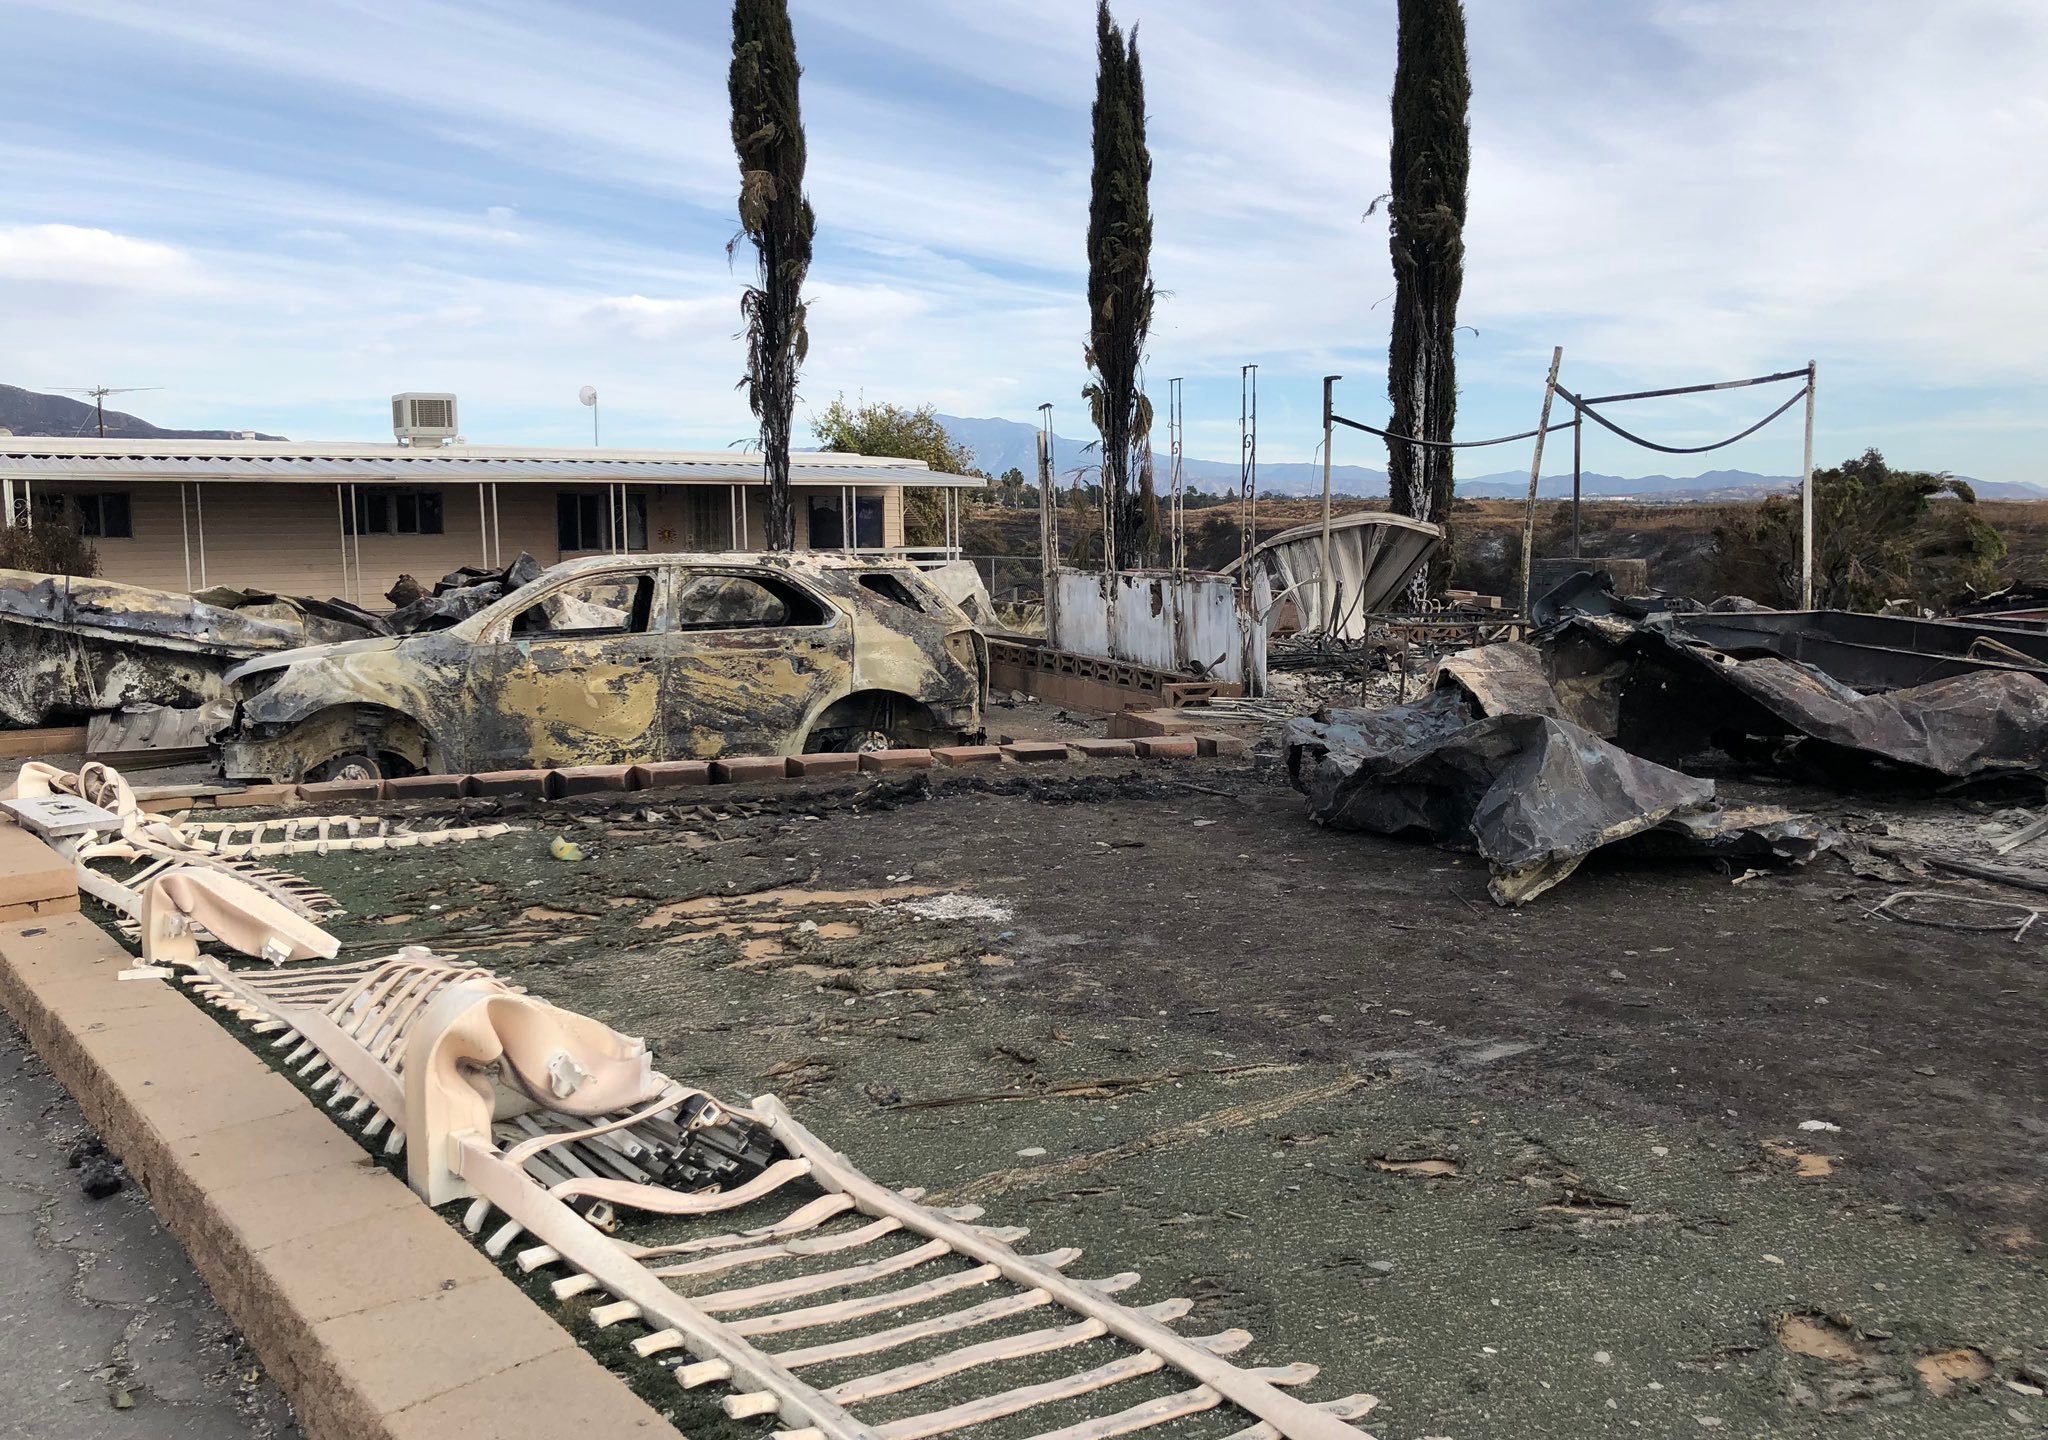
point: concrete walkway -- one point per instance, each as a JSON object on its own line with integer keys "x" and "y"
{"x": 106, "y": 1330}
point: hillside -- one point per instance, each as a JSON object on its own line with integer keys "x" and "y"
{"x": 1677, "y": 539}
{"x": 28, "y": 412}
{"x": 999, "y": 444}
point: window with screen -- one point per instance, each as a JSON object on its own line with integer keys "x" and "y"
{"x": 828, "y": 523}
{"x": 396, "y": 510}
{"x": 584, "y": 521}
{"x": 97, "y": 514}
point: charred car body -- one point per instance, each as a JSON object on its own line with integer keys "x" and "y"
{"x": 625, "y": 659}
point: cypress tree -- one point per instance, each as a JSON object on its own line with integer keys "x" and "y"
{"x": 1432, "y": 158}
{"x": 1120, "y": 291}
{"x": 768, "y": 136}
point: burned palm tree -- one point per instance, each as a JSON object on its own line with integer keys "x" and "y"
{"x": 768, "y": 134}
{"x": 1432, "y": 156}
{"x": 1120, "y": 292}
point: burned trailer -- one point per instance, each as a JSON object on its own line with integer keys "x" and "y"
{"x": 72, "y": 647}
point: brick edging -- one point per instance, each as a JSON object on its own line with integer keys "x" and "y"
{"x": 573, "y": 781}
{"x": 377, "y": 1319}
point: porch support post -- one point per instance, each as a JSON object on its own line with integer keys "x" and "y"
{"x": 340, "y": 526}
{"x": 199, "y": 514}
{"x": 354, "y": 508}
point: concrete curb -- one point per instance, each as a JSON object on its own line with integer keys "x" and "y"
{"x": 377, "y": 1319}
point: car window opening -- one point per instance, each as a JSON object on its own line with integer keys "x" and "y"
{"x": 891, "y": 587}
{"x": 602, "y": 605}
{"x": 743, "y": 602}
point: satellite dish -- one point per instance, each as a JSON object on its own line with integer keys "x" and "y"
{"x": 588, "y": 394}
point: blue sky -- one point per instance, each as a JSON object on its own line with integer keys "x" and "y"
{"x": 282, "y": 213}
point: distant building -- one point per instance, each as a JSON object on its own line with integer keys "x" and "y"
{"x": 347, "y": 519}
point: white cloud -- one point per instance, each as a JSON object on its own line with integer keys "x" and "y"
{"x": 659, "y": 319}
{"x": 79, "y": 255}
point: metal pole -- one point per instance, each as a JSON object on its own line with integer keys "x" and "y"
{"x": 1806, "y": 500}
{"x": 1177, "y": 427}
{"x": 340, "y": 522}
{"x": 497, "y": 531}
{"x": 483, "y": 522}
{"x": 1247, "y": 467}
{"x": 1578, "y": 434}
{"x": 1323, "y": 589}
{"x": 1048, "y": 529}
{"x": 184, "y": 531}
{"x": 1535, "y": 473}
{"x": 593, "y": 424}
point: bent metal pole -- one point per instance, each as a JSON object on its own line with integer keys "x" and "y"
{"x": 1535, "y": 472}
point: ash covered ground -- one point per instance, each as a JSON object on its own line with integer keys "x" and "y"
{"x": 1515, "y": 1172}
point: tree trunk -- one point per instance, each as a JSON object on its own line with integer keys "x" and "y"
{"x": 768, "y": 137}
{"x": 1120, "y": 293}
{"x": 1432, "y": 154}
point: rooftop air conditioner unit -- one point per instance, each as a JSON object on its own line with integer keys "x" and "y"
{"x": 417, "y": 416}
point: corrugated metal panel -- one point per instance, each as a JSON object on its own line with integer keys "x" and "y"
{"x": 427, "y": 468}
{"x": 1214, "y": 636}
{"x": 1372, "y": 557}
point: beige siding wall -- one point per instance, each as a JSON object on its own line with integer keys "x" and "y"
{"x": 288, "y": 537}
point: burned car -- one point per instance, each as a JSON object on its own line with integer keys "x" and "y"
{"x": 623, "y": 659}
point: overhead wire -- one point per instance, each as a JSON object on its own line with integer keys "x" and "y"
{"x": 1585, "y": 407}
{"x": 1597, "y": 418}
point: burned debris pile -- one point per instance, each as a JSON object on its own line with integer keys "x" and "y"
{"x": 1536, "y": 754}
{"x": 80, "y": 649}
{"x": 455, "y": 597}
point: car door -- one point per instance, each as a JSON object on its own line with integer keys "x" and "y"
{"x": 755, "y": 653}
{"x": 574, "y": 676}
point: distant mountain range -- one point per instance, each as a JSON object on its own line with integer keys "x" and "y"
{"x": 26, "y": 412}
{"x": 1000, "y": 444}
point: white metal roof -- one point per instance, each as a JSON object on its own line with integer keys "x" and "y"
{"x": 327, "y": 462}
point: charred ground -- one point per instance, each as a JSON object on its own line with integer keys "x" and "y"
{"x": 1517, "y": 1172}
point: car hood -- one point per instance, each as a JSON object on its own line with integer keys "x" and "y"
{"x": 265, "y": 664}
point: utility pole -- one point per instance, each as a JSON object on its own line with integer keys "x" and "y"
{"x": 1535, "y": 473}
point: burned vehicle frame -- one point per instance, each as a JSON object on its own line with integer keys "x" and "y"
{"x": 624, "y": 659}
